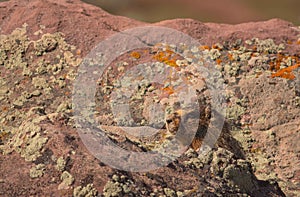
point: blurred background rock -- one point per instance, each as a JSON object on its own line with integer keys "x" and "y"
{"x": 221, "y": 11}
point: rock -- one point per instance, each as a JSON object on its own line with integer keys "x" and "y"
{"x": 42, "y": 43}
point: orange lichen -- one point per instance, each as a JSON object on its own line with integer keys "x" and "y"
{"x": 78, "y": 52}
{"x": 230, "y": 56}
{"x": 278, "y": 61}
{"x": 218, "y": 61}
{"x": 204, "y": 47}
{"x": 135, "y": 55}
{"x": 254, "y": 48}
{"x": 286, "y": 73}
{"x": 168, "y": 90}
{"x": 166, "y": 57}
{"x": 253, "y": 55}
{"x": 272, "y": 66}
{"x": 258, "y": 74}
{"x": 3, "y": 135}
{"x": 68, "y": 93}
{"x": 5, "y": 108}
{"x": 216, "y": 47}
{"x": 275, "y": 65}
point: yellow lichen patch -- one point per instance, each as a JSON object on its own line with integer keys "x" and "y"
{"x": 286, "y": 72}
{"x": 135, "y": 55}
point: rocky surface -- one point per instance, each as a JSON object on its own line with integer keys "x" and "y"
{"x": 42, "y": 43}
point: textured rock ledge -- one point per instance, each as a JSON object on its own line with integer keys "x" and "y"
{"x": 41, "y": 45}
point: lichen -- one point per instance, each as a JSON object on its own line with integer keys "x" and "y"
{"x": 198, "y": 161}
{"x": 235, "y": 112}
{"x": 286, "y": 73}
{"x": 87, "y": 191}
{"x": 13, "y": 47}
{"x": 169, "y": 192}
{"x": 61, "y": 164}
{"x": 67, "y": 179}
{"x": 27, "y": 140}
{"x": 118, "y": 186}
{"x": 47, "y": 43}
{"x": 37, "y": 171}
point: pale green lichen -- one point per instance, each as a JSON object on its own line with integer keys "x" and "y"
{"x": 87, "y": 191}
{"x": 37, "y": 171}
{"x": 267, "y": 46}
{"x": 198, "y": 161}
{"x": 169, "y": 192}
{"x": 61, "y": 164}
{"x": 118, "y": 186}
{"x": 233, "y": 69}
{"x": 47, "y": 43}
{"x": 220, "y": 156}
{"x": 13, "y": 47}
{"x": 112, "y": 189}
{"x": 27, "y": 141}
{"x": 67, "y": 180}
{"x": 235, "y": 112}
{"x": 40, "y": 83}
